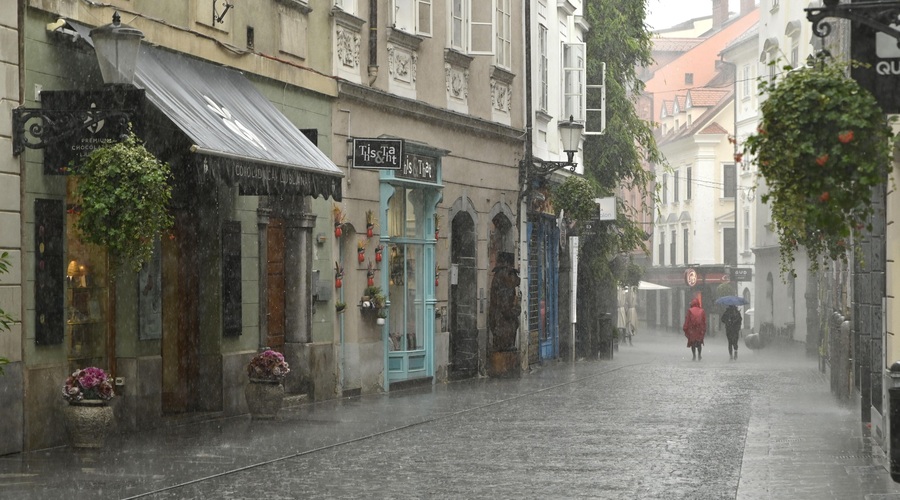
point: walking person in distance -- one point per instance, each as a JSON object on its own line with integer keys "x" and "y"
{"x": 695, "y": 328}
{"x": 732, "y": 319}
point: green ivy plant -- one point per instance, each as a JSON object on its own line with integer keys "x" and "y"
{"x": 575, "y": 197}
{"x": 822, "y": 144}
{"x": 124, "y": 194}
{"x": 6, "y": 320}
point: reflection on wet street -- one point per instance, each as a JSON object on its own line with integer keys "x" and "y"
{"x": 649, "y": 423}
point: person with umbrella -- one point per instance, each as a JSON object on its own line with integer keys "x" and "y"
{"x": 695, "y": 328}
{"x": 732, "y": 320}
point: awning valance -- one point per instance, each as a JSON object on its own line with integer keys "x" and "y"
{"x": 244, "y": 140}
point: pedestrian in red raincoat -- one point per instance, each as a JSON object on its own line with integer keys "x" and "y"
{"x": 695, "y": 328}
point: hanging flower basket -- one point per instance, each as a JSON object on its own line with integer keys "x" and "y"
{"x": 822, "y": 145}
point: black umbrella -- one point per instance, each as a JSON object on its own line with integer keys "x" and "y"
{"x": 732, "y": 300}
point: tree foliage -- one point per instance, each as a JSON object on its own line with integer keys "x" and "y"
{"x": 620, "y": 39}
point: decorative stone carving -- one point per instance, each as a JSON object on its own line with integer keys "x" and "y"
{"x": 501, "y": 96}
{"x": 348, "y": 47}
{"x": 457, "y": 81}
{"x": 402, "y": 64}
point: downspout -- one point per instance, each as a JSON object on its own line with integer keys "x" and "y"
{"x": 524, "y": 195}
{"x": 373, "y": 41}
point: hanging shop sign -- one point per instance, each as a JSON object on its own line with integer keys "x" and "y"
{"x": 741, "y": 274}
{"x": 80, "y": 121}
{"x": 418, "y": 168}
{"x": 880, "y": 73}
{"x": 380, "y": 154}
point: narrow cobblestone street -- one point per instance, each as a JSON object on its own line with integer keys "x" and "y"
{"x": 650, "y": 423}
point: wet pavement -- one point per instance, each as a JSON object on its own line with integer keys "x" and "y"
{"x": 648, "y": 424}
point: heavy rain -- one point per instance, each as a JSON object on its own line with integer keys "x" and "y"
{"x": 615, "y": 249}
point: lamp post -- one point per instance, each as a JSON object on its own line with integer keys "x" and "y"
{"x": 570, "y": 133}
{"x": 117, "y": 47}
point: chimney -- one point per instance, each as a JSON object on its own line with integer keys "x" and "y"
{"x": 719, "y": 13}
{"x": 747, "y": 6}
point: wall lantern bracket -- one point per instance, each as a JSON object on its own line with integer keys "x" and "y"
{"x": 879, "y": 16}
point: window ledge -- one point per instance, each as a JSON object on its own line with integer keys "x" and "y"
{"x": 502, "y": 75}
{"x": 404, "y": 39}
{"x": 346, "y": 19}
{"x": 457, "y": 58}
{"x": 300, "y": 5}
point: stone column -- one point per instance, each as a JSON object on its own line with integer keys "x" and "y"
{"x": 262, "y": 225}
{"x": 298, "y": 300}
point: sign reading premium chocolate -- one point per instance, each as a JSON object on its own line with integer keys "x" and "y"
{"x": 104, "y": 116}
{"x": 419, "y": 168}
{"x": 382, "y": 154}
{"x": 880, "y": 74}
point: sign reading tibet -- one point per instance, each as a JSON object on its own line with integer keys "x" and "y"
{"x": 880, "y": 74}
{"x": 381, "y": 154}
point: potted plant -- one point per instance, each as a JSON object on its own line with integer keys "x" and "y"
{"x": 338, "y": 275}
{"x": 361, "y": 250}
{"x": 124, "y": 194}
{"x": 340, "y": 218}
{"x": 381, "y": 316}
{"x": 378, "y": 252}
{"x": 371, "y": 222}
{"x": 88, "y": 415}
{"x": 822, "y": 145}
{"x": 265, "y": 392}
{"x": 370, "y": 274}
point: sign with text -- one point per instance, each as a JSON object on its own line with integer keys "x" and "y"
{"x": 380, "y": 154}
{"x": 418, "y": 168}
{"x": 741, "y": 274}
{"x": 880, "y": 73}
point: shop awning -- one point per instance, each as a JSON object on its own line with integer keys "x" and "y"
{"x": 244, "y": 140}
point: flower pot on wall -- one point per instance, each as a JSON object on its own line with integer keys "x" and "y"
{"x": 88, "y": 422}
{"x": 264, "y": 398}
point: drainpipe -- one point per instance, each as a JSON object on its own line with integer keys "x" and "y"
{"x": 373, "y": 41}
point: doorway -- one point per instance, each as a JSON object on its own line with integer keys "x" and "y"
{"x": 463, "y": 299}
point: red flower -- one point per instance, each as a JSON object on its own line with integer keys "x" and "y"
{"x": 822, "y": 160}
{"x": 761, "y": 131}
{"x": 738, "y": 157}
{"x": 845, "y": 137}
{"x": 825, "y": 197}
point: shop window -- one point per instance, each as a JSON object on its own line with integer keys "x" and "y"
{"x": 48, "y": 273}
{"x": 406, "y": 293}
{"x": 86, "y": 293}
{"x": 231, "y": 279}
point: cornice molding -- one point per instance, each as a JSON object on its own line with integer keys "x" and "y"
{"x": 418, "y": 110}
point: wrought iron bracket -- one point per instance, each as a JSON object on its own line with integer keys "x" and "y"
{"x": 548, "y": 167}
{"x": 876, "y": 15}
{"x": 49, "y": 127}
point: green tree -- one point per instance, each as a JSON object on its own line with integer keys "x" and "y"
{"x": 620, "y": 39}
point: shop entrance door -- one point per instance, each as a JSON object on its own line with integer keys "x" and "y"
{"x": 275, "y": 287}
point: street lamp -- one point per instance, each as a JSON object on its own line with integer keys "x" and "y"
{"x": 570, "y": 133}
{"x": 116, "y": 46}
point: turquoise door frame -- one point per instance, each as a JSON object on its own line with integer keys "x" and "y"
{"x": 417, "y": 362}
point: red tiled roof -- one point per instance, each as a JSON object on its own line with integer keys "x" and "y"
{"x": 706, "y": 97}
{"x": 713, "y": 128}
{"x": 675, "y": 44}
{"x": 681, "y": 99}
